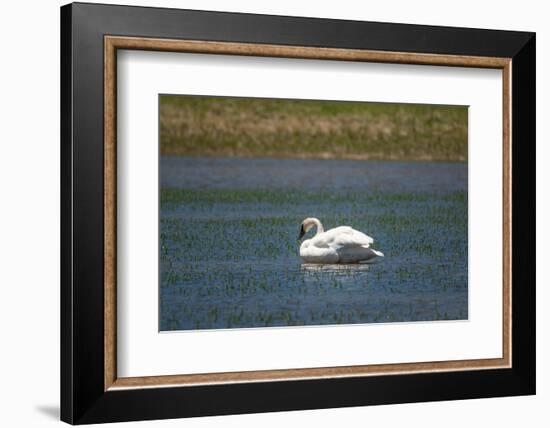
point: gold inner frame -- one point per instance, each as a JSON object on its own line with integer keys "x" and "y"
{"x": 113, "y": 43}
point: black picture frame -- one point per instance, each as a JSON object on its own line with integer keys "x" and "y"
{"x": 83, "y": 399}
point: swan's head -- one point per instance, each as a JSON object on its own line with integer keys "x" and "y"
{"x": 307, "y": 224}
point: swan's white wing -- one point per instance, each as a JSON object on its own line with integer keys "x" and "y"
{"x": 346, "y": 237}
{"x": 339, "y": 245}
{"x": 358, "y": 254}
{"x": 318, "y": 252}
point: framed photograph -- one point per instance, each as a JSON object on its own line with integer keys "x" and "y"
{"x": 265, "y": 213}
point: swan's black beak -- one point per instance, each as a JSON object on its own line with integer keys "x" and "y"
{"x": 302, "y": 232}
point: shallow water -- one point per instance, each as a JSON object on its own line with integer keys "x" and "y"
{"x": 229, "y": 249}
{"x": 311, "y": 174}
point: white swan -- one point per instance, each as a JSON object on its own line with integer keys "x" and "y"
{"x": 339, "y": 245}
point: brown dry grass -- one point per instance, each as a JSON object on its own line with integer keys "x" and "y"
{"x": 215, "y": 126}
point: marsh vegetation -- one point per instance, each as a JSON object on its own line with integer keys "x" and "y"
{"x": 217, "y": 126}
{"x": 229, "y": 254}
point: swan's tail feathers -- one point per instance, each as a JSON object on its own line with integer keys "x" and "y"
{"x": 378, "y": 253}
{"x": 373, "y": 252}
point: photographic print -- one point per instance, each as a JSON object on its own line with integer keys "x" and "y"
{"x": 284, "y": 212}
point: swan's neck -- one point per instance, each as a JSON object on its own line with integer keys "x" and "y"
{"x": 319, "y": 226}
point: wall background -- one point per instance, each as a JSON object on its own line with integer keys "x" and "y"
{"x": 29, "y": 216}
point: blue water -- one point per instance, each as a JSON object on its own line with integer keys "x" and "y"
{"x": 229, "y": 249}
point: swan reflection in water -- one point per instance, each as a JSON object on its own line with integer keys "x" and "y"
{"x": 338, "y": 275}
{"x": 336, "y": 268}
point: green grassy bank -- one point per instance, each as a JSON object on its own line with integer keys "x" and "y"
{"x": 215, "y": 126}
